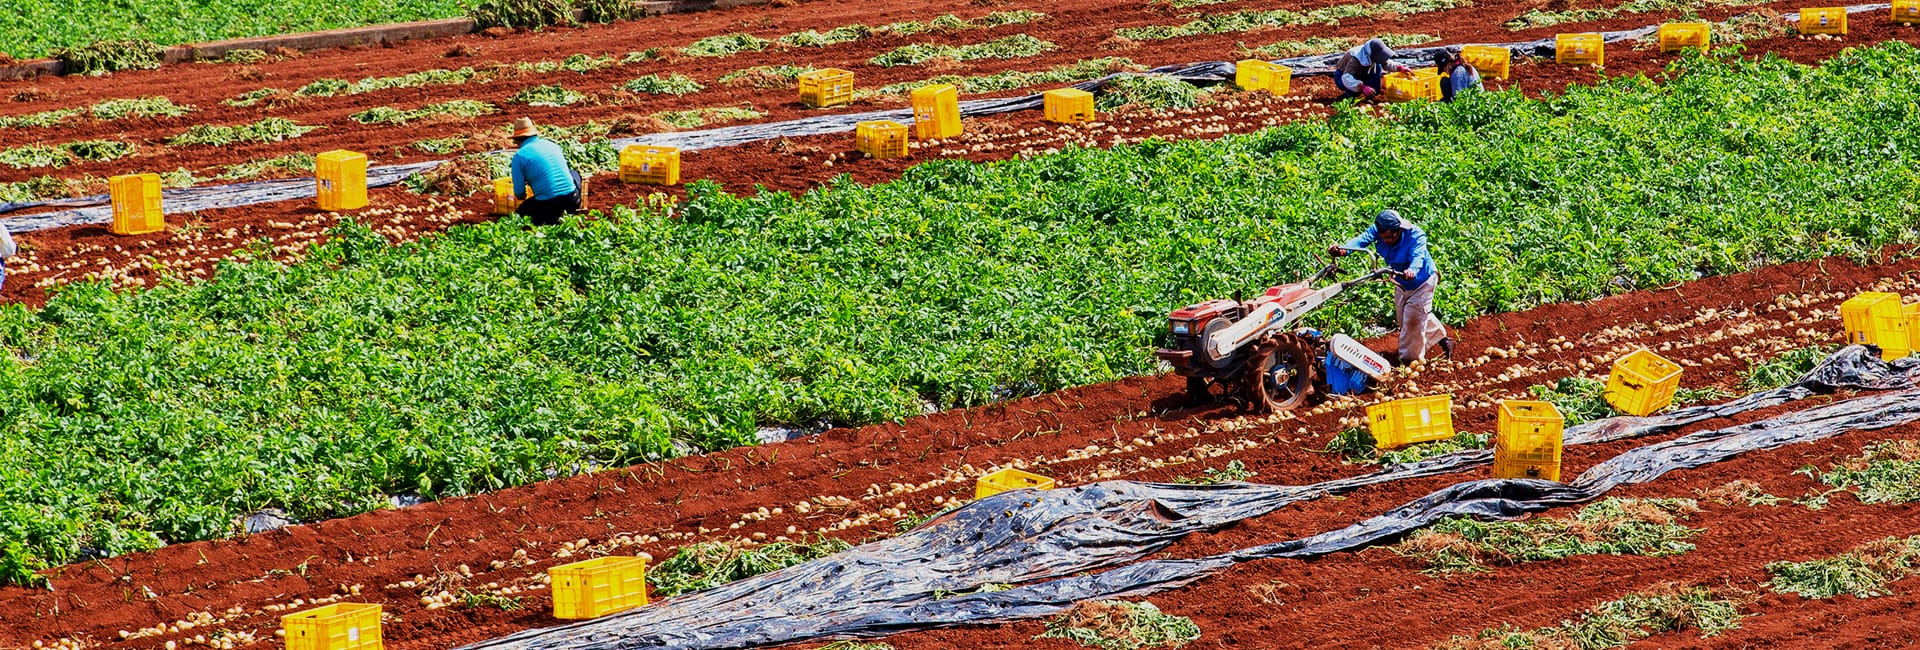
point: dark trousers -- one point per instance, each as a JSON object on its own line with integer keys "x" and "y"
{"x": 547, "y": 212}
{"x": 1371, "y": 78}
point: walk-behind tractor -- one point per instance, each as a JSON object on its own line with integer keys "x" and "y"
{"x": 1251, "y": 350}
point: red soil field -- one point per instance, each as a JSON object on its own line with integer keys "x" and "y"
{"x": 1714, "y": 326}
{"x": 1371, "y": 598}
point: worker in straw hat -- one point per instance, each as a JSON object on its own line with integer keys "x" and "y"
{"x": 1404, "y": 247}
{"x": 541, "y": 166}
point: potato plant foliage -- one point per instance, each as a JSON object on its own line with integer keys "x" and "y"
{"x": 492, "y": 355}
{"x": 33, "y": 28}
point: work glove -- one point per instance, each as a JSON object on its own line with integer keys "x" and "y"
{"x": 1336, "y": 251}
{"x": 1368, "y": 91}
{"x": 1401, "y": 68}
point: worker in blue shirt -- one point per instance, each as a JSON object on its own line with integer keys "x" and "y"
{"x": 1404, "y": 247}
{"x": 1456, "y": 74}
{"x": 541, "y": 165}
{"x": 1359, "y": 71}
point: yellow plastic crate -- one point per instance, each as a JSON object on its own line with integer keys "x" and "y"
{"x": 136, "y": 204}
{"x": 1679, "y": 36}
{"x": 1068, "y": 105}
{"x": 340, "y": 626}
{"x": 1422, "y": 83}
{"x": 1877, "y": 318}
{"x": 503, "y": 199}
{"x": 650, "y": 165}
{"x": 1906, "y": 12}
{"x": 1009, "y": 479}
{"x": 1527, "y": 443}
{"x": 883, "y": 139}
{"x": 598, "y": 587}
{"x": 1912, "y": 312}
{"x": 1824, "y": 20}
{"x": 936, "y": 112}
{"x": 1580, "y": 49}
{"x": 341, "y": 180}
{"x": 1492, "y": 61}
{"x": 1255, "y": 74}
{"x": 1642, "y": 382}
{"x": 1409, "y": 420}
{"x": 828, "y": 87}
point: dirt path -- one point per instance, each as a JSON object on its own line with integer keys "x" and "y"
{"x": 855, "y": 484}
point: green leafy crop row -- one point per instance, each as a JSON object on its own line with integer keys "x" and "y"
{"x": 1259, "y": 19}
{"x": 493, "y": 356}
{"x": 34, "y": 28}
{"x": 1006, "y": 47}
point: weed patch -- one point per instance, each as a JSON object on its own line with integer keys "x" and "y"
{"x": 1234, "y": 471}
{"x": 547, "y": 96}
{"x": 1008, "y": 47}
{"x": 1613, "y": 526}
{"x": 272, "y": 129}
{"x": 1863, "y": 571}
{"x": 726, "y": 45}
{"x": 120, "y": 109}
{"x": 1121, "y": 625}
{"x": 459, "y": 108}
{"x": 1666, "y": 607}
{"x": 705, "y": 565}
{"x": 673, "y": 84}
{"x": 1152, "y": 92}
{"x": 1885, "y": 472}
{"x": 1783, "y": 368}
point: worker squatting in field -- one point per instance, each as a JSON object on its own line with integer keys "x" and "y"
{"x": 1363, "y": 69}
{"x": 540, "y": 165}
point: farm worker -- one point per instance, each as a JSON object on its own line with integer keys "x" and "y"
{"x": 539, "y": 164}
{"x": 1404, "y": 247}
{"x": 7, "y": 250}
{"x": 1455, "y": 73}
{"x": 1359, "y": 71}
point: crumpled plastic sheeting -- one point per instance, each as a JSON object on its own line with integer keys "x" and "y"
{"x": 1024, "y": 536}
{"x": 98, "y": 208}
{"x": 94, "y": 209}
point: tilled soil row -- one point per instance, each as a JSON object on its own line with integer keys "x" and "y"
{"x": 1081, "y": 30}
{"x": 194, "y": 244}
{"x": 1378, "y": 599}
{"x": 855, "y": 484}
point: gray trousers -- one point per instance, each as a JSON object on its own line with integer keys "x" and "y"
{"x": 1419, "y": 328}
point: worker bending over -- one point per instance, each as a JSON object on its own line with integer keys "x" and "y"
{"x": 1359, "y": 71}
{"x": 540, "y": 165}
{"x": 1404, "y": 247}
{"x": 1456, "y": 74}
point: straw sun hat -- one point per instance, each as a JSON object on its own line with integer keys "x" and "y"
{"x": 523, "y": 128}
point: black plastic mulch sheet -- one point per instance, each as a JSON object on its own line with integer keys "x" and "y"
{"x": 1040, "y": 538}
{"x": 95, "y": 209}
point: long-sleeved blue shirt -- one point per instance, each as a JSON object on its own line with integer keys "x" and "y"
{"x": 1410, "y": 254}
{"x": 1461, "y": 77}
{"x": 540, "y": 164}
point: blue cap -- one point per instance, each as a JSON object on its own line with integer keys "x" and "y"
{"x": 1387, "y": 220}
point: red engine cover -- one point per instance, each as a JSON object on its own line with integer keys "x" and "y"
{"x": 1203, "y": 311}
{"x": 1286, "y": 293}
